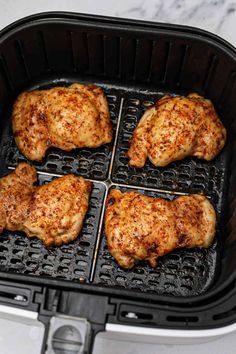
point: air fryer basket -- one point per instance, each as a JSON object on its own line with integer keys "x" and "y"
{"x": 135, "y": 63}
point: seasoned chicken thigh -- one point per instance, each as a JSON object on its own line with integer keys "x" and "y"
{"x": 138, "y": 227}
{"x": 16, "y": 192}
{"x": 177, "y": 127}
{"x": 53, "y": 212}
{"x": 65, "y": 117}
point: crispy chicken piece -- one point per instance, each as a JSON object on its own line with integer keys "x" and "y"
{"x": 53, "y": 212}
{"x": 16, "y": 192}
{"x": 177, "y": 127}
{"x": 65, "y": 117}
{"x": 138, "y": 227}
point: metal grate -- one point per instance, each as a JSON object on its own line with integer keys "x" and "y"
{"x": 183, "y": 272}
{"x": 20, "y": 254}
{"x": 189, "y": 175}
{"x": 90, "y": 163}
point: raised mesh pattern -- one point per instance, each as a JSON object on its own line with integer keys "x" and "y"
{"x": 90, "y": 163}
{"x": 20, "y": 254}
{"x": 189, "y": 175}
{"x": 182, "y": 272}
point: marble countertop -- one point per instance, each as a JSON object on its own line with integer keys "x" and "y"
{"x": 216, "y": 16}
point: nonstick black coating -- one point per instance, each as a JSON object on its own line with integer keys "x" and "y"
{"x": 136, "y": 63}
{"x": 183, "y": 272}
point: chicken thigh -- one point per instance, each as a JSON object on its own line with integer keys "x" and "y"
{"x": 177, "y": 127}
{"x": 138, "y": 227}
{"x": 65, "y": 117}
{"x": 53, "y": 212}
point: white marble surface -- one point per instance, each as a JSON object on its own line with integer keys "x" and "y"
{"x": 217, "y": 16}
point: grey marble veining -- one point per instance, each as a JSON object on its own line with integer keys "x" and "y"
{"x": 217, "y": 16}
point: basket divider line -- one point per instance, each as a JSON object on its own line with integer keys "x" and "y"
{"x": 116, "y": 137}
{"x": 51, "y": 174}
{"x": 162, "y": 191}
{"x": 99, "y": 235}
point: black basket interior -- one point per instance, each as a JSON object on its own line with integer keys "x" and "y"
{"x": 135, "y": 64}
{"x": 183, "y": 272}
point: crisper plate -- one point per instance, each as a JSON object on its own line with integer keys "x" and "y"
{"x": 89, "y": 163}
{"x": 182, "y": 272}
{"x": 24, "y": 255}
{"x": 87, "y": 259}
{"x": 190, "y": 175}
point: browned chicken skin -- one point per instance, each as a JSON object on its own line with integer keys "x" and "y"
{"x": 53, "y": 212}
{"x": 65, "y": 117}
{"x": 139, "y": 227}
{"x": 177, "y": 127}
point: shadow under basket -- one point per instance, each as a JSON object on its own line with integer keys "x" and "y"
{"x": 136, "y": 63}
